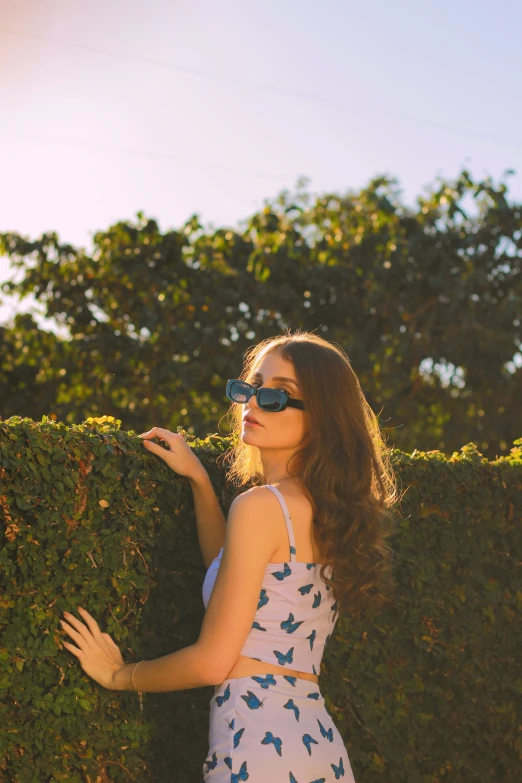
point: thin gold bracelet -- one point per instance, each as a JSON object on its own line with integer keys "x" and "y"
{"x": 140, "y": 693}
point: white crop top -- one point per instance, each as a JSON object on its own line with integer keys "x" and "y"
{"x": 296, "y": 612}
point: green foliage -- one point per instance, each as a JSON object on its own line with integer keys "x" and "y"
{"x": 427, "y": 303}
{"x": 428, "y": 690}
{"x": 88, "y": 518}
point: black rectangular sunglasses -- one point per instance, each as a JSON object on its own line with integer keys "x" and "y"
{"x": 268, "y": 399}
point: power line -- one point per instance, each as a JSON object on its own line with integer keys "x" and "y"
{"x": 140, "y": 154}
{"x": 271, "y": 88}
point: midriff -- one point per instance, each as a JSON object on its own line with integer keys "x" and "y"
{"x": 245, "y": 667}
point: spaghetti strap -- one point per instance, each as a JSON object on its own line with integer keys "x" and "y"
{"x": 287, "y": 520}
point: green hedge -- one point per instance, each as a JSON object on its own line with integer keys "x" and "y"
{"x": 425, "y": 692}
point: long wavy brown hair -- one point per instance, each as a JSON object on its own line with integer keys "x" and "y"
{"x": 343, "y": 464}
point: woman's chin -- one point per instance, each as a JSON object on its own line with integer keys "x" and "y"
{"x": 247, "y": 432}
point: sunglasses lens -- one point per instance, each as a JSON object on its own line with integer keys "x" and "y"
{"x": 267, "y": 399}
{"x": 239, "y": 391}
{"x": 270, "y": 399}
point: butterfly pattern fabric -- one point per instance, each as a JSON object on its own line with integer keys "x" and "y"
{"x": 296, "y": 612}
{"x": 273, "y": 728}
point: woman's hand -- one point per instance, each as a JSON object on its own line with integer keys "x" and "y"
{"x": 181, "y": 459}
{"x": 99, "y": 656}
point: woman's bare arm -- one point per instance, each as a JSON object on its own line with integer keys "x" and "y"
{"x": 180, "y": 458}
{"x": 210, "y": 520}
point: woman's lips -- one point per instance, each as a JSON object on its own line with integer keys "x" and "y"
{"x": 248, "y": 423}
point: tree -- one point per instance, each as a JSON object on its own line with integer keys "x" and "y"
{"x": 426, "y": 302}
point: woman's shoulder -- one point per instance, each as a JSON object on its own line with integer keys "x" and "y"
{"x": 290, "y": 490}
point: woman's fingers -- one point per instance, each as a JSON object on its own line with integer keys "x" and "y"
{"x": 177, "y": 453}
{"x": 80, "y": 634}
{"x": 77, "y": 625}
{"x": 90, "y": 621}
{"x": 155, "y": 432}
{"x": 156, "y": 448}
{"x": 160, "y": 432}
{"x": 75, "y": 650}
{"x": 79, "y": 638}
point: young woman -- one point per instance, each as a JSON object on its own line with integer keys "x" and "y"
{"x": 305, "y": 543}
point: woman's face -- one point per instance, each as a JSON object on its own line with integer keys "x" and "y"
{"x": 282, "y": 429}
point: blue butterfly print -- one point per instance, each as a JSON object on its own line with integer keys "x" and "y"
{"x": 263, "y": 598}
{"x": 317, "y": 600}
{"x": 307, "y": 742}
{"x": 265, "y": 681}
{"x": 291, "y": 680}
{"x": 211, "y": 764}
{"x": 237, "y": 736}
{"x": 242, "y": 774}
{"x": 258, "y": 627}
{"x": 291, "y": 706}
{"x": 289, "y": 625}
{"x": 315, "y": 695}
{"x": 319, "y": 780}
{"x": 282, "y": 658}
{"x": 230, "y": 723}
{"x": 305, "y": 589}
{"x": 226, "y": 695}
{"x": 270, "y": 739}
{"x": 328, "y": 587}
{"x": 326, "y": 733}
{"x": 313, "y": 669}
{"x": 338, "y": 770}
{"x": 310, "y": 565}
{"x": 252, "y": 701}
{"x": 312, "y": 638}
{"x": 228, "y": 761}
{"x": 292, "y": 550}
{"x": 334, "y": 607}
{"x": 280, "y": 575}
{"x": 292, "y": 778}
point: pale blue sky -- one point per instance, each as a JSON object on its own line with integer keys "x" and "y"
{"x": 173, "y": 107}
